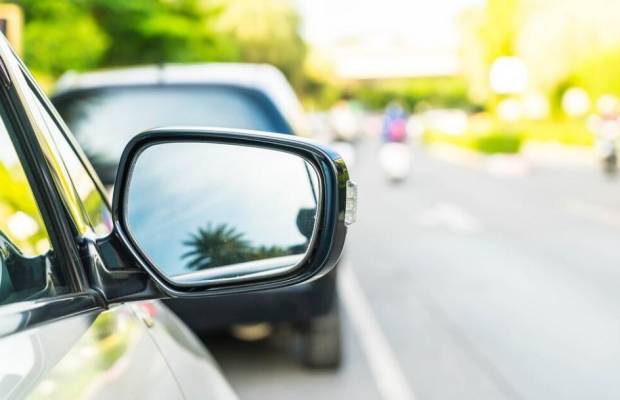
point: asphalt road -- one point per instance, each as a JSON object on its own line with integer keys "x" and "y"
{"x": 466, "y": 283}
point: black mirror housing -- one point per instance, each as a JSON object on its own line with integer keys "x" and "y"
{"x": 336, "y": 193}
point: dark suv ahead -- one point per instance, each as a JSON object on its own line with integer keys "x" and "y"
{"x": 105, "y": 109}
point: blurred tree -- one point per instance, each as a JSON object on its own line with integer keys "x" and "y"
{"x": 266, "y": 31}
{"x": 61, "y": 35}
{"x": 83, "y": 34}
{"x": 16, "y": 197}
{"x": 262, "y": 252}
{"x": 216, "y": 245}
{"x": 488, "y": 33}
{"x": 320, "y": 87}
{"x": 412, "y": 93}
{"x": 222, "y": 244}
{"x": 560, "y": 49}
{"x": 499, "y": 29}
{"x": 148, "y": 31}
{"x": 598, "y": 73}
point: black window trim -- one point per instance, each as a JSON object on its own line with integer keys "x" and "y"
{"x": 30, "y": 156}
{"x": 62, "y": 232}
{"x": 63, "y": 129}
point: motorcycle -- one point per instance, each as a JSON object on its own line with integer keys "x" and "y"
{"x": 608, "y": 155}
{"x": 606, "y": 144}
{"x": 395, "y": 153}
{"x": 395, "y": 160}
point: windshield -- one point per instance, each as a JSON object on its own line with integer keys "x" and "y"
{"x": 105, "y": 119}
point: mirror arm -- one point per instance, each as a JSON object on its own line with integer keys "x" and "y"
{"x": 113, "y": 273}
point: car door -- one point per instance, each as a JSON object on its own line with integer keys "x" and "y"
{"x": 181, "y": 349}
{"x": 57, "y": 339}
{"x": 175, "y": 347}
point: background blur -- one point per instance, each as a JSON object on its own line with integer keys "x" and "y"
{"x": 499, "y": 275}
{"x": 551, "y": 64}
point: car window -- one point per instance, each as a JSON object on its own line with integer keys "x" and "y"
{"x": 105, "y": 119}
{"x": 27, "y": 264}
{"x": 89, "y": 206}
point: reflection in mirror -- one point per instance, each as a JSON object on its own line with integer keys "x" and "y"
{"x": 204, "y": 212}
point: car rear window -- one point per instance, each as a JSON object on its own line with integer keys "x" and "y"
{"x": 104, "y": 120}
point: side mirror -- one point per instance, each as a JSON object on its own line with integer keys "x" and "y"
{"x": 217, "y": 210}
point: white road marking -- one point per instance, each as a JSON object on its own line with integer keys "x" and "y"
{"x": 388, "y": 374}
{"x": 507, "y": 165}
{"x": 450, "y": 216}
{"x": 601, "y": 214}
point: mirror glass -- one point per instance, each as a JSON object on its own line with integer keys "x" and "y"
{"x": 205, "y": 212}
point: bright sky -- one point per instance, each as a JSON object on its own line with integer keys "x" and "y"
{"x": 393, "y": 37}
{"x": 326, "y": 20}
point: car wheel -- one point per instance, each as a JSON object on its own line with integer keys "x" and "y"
{"x": 321, "y": 341}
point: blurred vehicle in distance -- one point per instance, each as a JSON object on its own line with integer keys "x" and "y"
{"x": 345, "y": 120}
{"x": 395, "y": 153}
{"x": 605, "y": 125}
{"x": 105, "y": 109}
{"x": 395, "y": 160}
{"x": 394, "y": 124}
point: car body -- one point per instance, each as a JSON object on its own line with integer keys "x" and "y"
{"x": 171, "y": 94}
{"x": 80, "y": 315}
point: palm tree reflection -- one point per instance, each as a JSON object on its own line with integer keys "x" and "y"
{"x": 219, "y": 245}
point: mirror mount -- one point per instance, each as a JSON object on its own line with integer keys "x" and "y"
{"x": 112, "y": 272}
{"x": 323, "y": 251}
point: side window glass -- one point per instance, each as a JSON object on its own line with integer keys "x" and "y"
{"x": 92, "y": 202}
{"x": 26, "y": 260}
{"x": 85, "y": 201}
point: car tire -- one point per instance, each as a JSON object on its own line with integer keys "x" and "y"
{"x": 321, "y": 341}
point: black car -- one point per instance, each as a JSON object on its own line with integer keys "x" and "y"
{"x": 105, "y": 109}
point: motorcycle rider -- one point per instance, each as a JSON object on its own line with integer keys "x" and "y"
{"x": 395, "y": 154}
{"x": 394, "y": 124}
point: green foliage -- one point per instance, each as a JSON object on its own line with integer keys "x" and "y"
{"x": 435, "y": 92}
{"x": 147, "y": 31}
{"x": 319, "y": 94}
{"x": 487, "y": 143}
{"x": 63, "y": 35}
{"x": 505, "y": 143}
{"x": 60, "y": 36}
{"x": 84, "y": 34}
{"x": 502, "y": 138}
{"x": 598, "y": 74}
{"x": 16, "y": 196}
{"x": 568, "y": 131}
{"x": 266, "y": 31}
